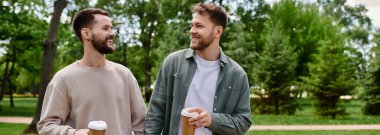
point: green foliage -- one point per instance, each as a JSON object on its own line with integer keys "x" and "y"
{"x": 241, "y": 39}
{"x": 301, "y": 22}
{"x": 25, "y": 33}
{"x": 372, "y": 92}
{"x": 331, "y": 73}
{"x": 275, "y": 73}
{"x": 357, "y": 26}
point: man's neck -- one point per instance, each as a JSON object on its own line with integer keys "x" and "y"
{"x": 210, "y": 53}
{"x": 92, "y": 61}
{"x": 92, "y": 58}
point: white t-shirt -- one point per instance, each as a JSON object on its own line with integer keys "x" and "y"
{"x": 202, "y": 89}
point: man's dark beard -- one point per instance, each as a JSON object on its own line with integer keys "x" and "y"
{"x": 101, "y": 45}
{"x": 204, "y": 42}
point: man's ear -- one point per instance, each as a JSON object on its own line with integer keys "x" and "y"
{"x": 219, "y": 31}
{"x": 85, "y": 34}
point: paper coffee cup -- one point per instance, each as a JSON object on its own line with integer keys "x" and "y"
{"x": 186, "y": 128}
{"x": 97, "y": 127}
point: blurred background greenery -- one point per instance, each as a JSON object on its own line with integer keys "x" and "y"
{"x": 308, "y": 62}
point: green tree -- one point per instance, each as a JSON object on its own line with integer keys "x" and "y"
{"x": 372, "y": 92}
{"x": 357, "y": 26}
{"x": 303, "y": 24}
{"x": 275, "y": 72}
{"x": 241, "y": 40}
{"x": 331, "y": 75}
{"x": 24, "y": 31}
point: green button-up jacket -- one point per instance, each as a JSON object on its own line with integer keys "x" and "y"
{"x": 231, "y": 114}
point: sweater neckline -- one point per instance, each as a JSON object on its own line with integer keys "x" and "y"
{"x": 95, "y": 69}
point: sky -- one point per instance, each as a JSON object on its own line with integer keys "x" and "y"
{"x": 373, "y": 7}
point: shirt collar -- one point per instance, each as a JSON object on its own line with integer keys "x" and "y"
{"x": 190, "y": 53}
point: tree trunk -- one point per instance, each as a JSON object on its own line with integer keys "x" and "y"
{"x": 147, "y": 32}
{"x": 47, "y": 60}
{"x": 148, "y": 68}
{"x": 5, "y": 76}
{"x": 9, "y": 77}
{"x": 35, "y": 88}
{"x": 276, "y": 106}
{"x": 125, "y": 54}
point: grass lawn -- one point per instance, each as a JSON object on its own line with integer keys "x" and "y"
{"x": 23, "y": 106}
{"x": 12, "y": 129}
{"x": 306, "y": 116}
{"x": 318, "y": 132}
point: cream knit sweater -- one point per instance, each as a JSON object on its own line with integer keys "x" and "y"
{"x": 78, "y": 94}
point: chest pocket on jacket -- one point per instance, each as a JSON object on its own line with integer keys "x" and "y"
{"x": 231, "y": 93}
{"x": 175, "y": 83}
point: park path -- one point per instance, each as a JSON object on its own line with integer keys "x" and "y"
{"x": 27, "y": 120}
{"x": 22, "y": 120}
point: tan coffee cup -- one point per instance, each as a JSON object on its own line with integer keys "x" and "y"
{"x": 97, "y": 127}
{"x": 186, "y": 128}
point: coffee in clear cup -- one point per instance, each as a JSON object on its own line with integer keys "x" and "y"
{"x": 186, "y": 128}
{"x": 97, "y": 127}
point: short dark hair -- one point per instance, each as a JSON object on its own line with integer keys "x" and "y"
{"x": 85, "y": 19}
{"x": 217, "y": 13}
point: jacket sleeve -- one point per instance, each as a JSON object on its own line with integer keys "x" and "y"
{"x": 55, "y": 110}
{"x": 154, "y": 122}
{"x": 239, "y": 121}
{"x": 138, "y": 108}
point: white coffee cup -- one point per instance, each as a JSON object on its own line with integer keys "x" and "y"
{"x": 97, "y": 127}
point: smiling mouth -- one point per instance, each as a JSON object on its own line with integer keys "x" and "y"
{"x": 194, "y": 38}
{"x": 110, "y": 41}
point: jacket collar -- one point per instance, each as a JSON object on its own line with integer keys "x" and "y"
{"x": 190, "y": 53}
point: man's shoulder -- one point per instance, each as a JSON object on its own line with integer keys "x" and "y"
{"x": 234, "y": 66}
{"x": 69, "y": 70}
{"x": 179, "y": 53}
{"x": 121, "y": 69}
{"x": 118, "y": 66}
{"x": 177, "y": 56}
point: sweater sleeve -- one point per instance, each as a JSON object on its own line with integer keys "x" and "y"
{"x": 138, "y": 108}
{"x": 55, "y": 110}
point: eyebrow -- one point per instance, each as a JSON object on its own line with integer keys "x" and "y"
{"x": 196, "y": 23}
{"x": 106, "y": 25}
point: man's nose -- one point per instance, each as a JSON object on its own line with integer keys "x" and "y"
{"x": 113, "y": 32}
{"x": 192, "y": 31}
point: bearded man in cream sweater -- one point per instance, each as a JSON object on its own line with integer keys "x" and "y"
{"x": 93, "y": 88}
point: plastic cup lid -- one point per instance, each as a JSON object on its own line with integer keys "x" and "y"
{"x": 97, "y": 125}
{"x": 186, "y": 113}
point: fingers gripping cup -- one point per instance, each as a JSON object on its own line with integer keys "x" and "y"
{"x": 97, "y": 127}
{"x": 186, "y": 128}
